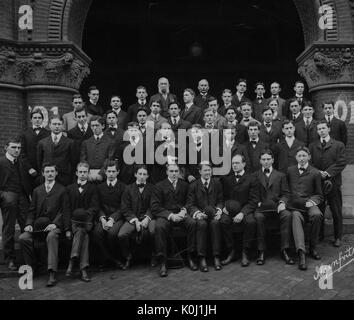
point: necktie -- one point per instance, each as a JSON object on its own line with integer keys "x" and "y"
{"x": 97, "y": 138}
{"x": 199, "y": 144}
{"x": 307, "y": 122}
{"x": 323, "y": 143}
{"x": 110, "y": 185}
{"x": 82, "y": 129}
{"x": 174, "y": 121}
{"x": 294, "y": 117}
{"x": 174, "y": 184}
{"x": 47, "y": 188}
{"x": 206, "y": 185}
{"x": 55, "y": 139}
{"x": 328, "y": 119}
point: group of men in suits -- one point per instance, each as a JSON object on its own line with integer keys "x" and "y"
{"x": 80, "y": 186}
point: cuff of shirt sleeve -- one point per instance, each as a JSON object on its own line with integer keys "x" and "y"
{"x": 132, "y": 221}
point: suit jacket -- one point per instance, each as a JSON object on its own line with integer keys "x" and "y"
{"x": 222, "y": 111}
{"x": 87, "y": 200}
{"x": 181, "y": 124}
{"x": 282, "y": 112}
{"x": 199, "y": 198}
{"x": 273, "y": 136}
{"x": 164, "y": 102}
{"x": 133, "y": 110}
{"x": 284, "y": 157}
{"x": 254, "y": 154}
{"x": 122, "y": 119}
{"x": 29, "y": 141}
{"x": 193, "y": 115}
{"x": 114, "y": 134}
{"x": 78, "y": 138}
{"x": 62, "y": 155}
{"x": 95, "y": 110}
{"x": 304, "y": 134}
{"x": 136, "y": 204}
{"x": 156, "y": 124}
{"x": 287, "y": 111}
{"x": 306, "y": 186}
{"x": 202, "y": 101}
{"x": 110, "y": 200}
{"x": 258, "y": 106}
{"x": 245, "y": 191}
{"x": 274, "y": 190}
{"x": 331, "y": 158}
{"x": 70, "y": 122}
{"x": 237, "y": 103}
{"x": 167, "y": 200}
{"x": 338, "y": 130}
{"x": 52, "y": 205}
{"x": 96, "y": 152}
{"x": 5, "y": 172}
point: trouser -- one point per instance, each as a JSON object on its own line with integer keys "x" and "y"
{"x": 249, "y": 231}
{"x": 14, "y": 206}
{"x": 314, "y": 216}
{"x": 52, "y": 239}
{"x": 163, "y": 231}
{"x": 285, "y": 228}
{"x": 80, "y": 245}
{"x": 107, "y": 240}
{"x": 128, "y": 232}
{"x": 202, "y": 227}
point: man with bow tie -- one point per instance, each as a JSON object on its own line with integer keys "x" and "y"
{"x": 141, "y": 94}
{"x": 168, "y": 206}
{"x": 246, "y": 111}
{"x": 273, "y": 194}
{"x": 305, "y": 130}
{"x": 305, "y": 197}
{"x": 275, "y": 90}
{"x": 113, "y": 130}
{"x": 48, "y": 206}
{"x": 243, "y": 189}
{"x": 58, "y": 149}
{"x": 15, "y": 192}
{"x": 270, "y": 131}
{"x": 141, "y": 117}
{"x": 139, "y": 222}
{"x": 201, "y": 100}
{"x": 328, "y": 156}
{"x": 83, "y": 208}
{"x": 29, "y": 141}
{"x": 260, "y": 102}
{"x": 299, "y": 89}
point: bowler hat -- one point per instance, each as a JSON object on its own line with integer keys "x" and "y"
{"x": 79, "y": 215}
{"x": 40, "y": 224}
{"x": 209, "y": 211}
{"x": 297, "y": 204}
{"x": 327, "y": 187}
{"x": 233, "y": 207}
{"x": 267, "y": 206}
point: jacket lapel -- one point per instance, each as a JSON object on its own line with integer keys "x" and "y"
{"x": 262, "y": 179}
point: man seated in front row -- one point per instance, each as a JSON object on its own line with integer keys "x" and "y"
{"x": 305, "y": 197}
{"x": 204, "y": 204}
{"x": 168, "y": 207}
{"x": 83, "y": 207}
{"x": 45, "y": 216}
{"x": 273, "y": 193}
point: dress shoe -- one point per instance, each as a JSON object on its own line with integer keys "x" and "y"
{"x": 51, "y": 281}
{"x": 302, "y": 260}
{"x": 260, "y": 260}
{"x": 153, "y": 262}
{"x": 229, "y": 258}
{"x": 337, "y": 243}
{"x": 163, "y": 270}
{"x": 244, "y": 262}
{"x": 286, "y": 258}
{"x": 203, "y": 265}
{"x": 314, "y": 254}
{"x": 84, "y": 276}
{"x": 192, "y": 264}
{"x": 12, "y": 266}
{"x": 217, "y": 264}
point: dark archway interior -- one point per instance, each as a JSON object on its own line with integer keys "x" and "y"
{"x": 135, "y": 42}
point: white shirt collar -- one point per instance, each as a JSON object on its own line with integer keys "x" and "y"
{"x": 188, "y": 105}
{"x": 299, "y": 95}
{"x": 240, "y": 95}
{"x": 92, "y": 102}
{"x": 142, "y": 102}
{"x": 81, "y": 182}
{"x": 58, "y": 135}
{"x": 203, "y": 181}
{"x": 85, "y": 126}
{"x": 326, "y": 139}
{"x": 254, "y": 140}
{"x": 113, "y": 183}
{"x": 9, "y": 157}
{"x": 308, "y": 119}
{"x": 177, "y": 119}
{"x": 289, "y": 139}
{"x": 50, "y": 185}
{"x": 171, "y": 180}
{"x": 305, "y": 166}
{"x": 270, "y": 170}
{"x": 296, "y": 115}
{"x": 100, "y": 136}
{"x": 241, "y": 173}
{"x": 117, "y": 110}
{"x": 37, "y": 128}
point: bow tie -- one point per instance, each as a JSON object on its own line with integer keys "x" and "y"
{"x": 112, "y": 128}
{"x": 238, "y": 176}
{"x": 254, "y": 142}
{"x": 140, "y": 185}
{"x": 301, "y": 169}
{"x": 266, "y": 171}
{"x": 268, "y": 125}
{"x": 209, "y": 126}
{"x": 246, "y": 120}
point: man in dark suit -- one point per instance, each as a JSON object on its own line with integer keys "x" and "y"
{"x": 294, "y": 113}
{"x": 110, "y": 220}
{"x": 113, "y": 130}
{"x": 246, "y": 111}
{"x": 328, "y": 156}
{"x": 154, "y": 119}
{"x": 337, "y": 126}
{"x": 227, "y": 104}
{"x": 93, "y": 107}
{"x": 273, "y": 192}
{"x": 122, "y": 116}
{"x": 136, "y": 209}
{"x": 201, "y": 100}
{"x": 175, "y": 119}
{"x": 58, "y": 149}
{"x": 141, "y": 94}
{"x": 191, "y": 112}
{"x": 274, "y": 105}
{"x": 260, "y": 102}
{"x": 254, "y": 146}
{"x": 239, "y": 97}
{"x": 168, "y": 207}
{"x": 299, "y": 89}
{"x": 15, "y": 189}
{"x": 81, "y": 132}
{"x": 241, "y": 189}
{"x": 69, "y": 119}
{"x": 45, "y": 217}
{"x": 285, "y": 150}
{"x": 305, "y": 196}
{"x": 270, "y": 131}
{"x": 164, "y": 96}
{"x": 241, "y": 130}
{"x": 275, "y": 91}
{"x": 306, "y": 130}
{"x": 29, "y": 141}
{"x": 204, "y": 204}
{"x": 83, "y": 208}
{"x": 219, "y": 120}
{"x": 97, "y": 149}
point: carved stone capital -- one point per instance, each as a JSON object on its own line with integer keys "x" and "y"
{"x": 43, "y": 63}
{"x": 324, "y": 64}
